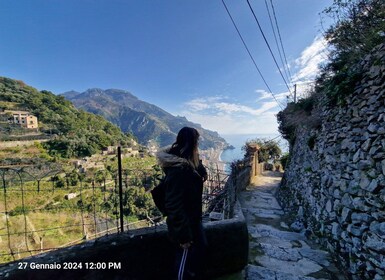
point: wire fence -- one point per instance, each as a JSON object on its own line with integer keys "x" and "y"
{"x": 44, "y": 208}
{"x": 222, "y": 199}
{"x": 54, "y": 210}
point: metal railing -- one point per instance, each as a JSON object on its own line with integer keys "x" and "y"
{"x": 42, "y": 207}
{"x": 223, "y": 188}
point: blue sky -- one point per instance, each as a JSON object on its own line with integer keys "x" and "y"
{"x": 183, "y": 56}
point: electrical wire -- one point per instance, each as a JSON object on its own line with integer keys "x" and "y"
{"x": 279, "y": 36}
{"x": 248, "y": 51}
{"x": 276, "y": 41}
{"x": 268, "y": 45}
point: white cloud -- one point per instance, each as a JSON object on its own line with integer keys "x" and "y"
{"x": 263, "y": 94}
{"x": 307, "y": 65}
{"x": 202, "y": 103}
{"x": 197, "y": 104}
{"x": 266, "y": 106}
{"x": 217, "y": 105}
{"x": 227, "y": 117}
{"x": 233, "y": 124}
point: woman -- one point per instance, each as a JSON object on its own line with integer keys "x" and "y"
{"x": 185, "y": 175}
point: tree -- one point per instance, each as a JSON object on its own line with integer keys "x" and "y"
{"x": 138, "y": 203}
{"x": 358, "y": 27}
{"x": 269, "y": 150}
{"x": 72, "y": 178}
{"x": 58, "y": 181}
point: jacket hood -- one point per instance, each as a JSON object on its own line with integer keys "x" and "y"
{"x": 165, "y": 159}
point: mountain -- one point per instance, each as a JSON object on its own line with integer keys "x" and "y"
{"x": 144, "y": 120}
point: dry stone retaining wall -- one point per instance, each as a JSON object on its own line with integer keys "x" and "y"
{"x": 26, "y": 143}
{"x": 335, "y": 181}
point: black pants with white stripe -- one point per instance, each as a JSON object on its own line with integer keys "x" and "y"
{"x": 189, "y": 262}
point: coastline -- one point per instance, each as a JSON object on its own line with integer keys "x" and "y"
{"x": 212, "y": 159}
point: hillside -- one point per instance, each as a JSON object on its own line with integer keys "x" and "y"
{"x": 146, "y": 121}
{"x": 72, "y": 132}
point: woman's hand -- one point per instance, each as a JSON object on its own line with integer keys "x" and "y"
{"x": 204, "y": 178}
{"x": 186, "y": 245}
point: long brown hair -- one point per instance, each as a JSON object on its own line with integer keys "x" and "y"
{"x": 186, "y": 145}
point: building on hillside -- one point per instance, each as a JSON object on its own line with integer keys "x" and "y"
{"x": 23, "y": 118}
{"x": 87, "y": 163}
{"x": 130, "y": 152}
{"x": 126, "y": 152}
{"x": 110, "y": 150}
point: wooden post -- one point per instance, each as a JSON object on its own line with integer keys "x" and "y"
{"x": 120, "y": 188}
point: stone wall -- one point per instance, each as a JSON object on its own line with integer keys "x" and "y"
{"x": 137, "y": 254}
{"x": 26, "y": 143}
{"x": 335, "y": 181}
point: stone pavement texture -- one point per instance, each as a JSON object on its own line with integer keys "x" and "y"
{"x": 276, "y": 252}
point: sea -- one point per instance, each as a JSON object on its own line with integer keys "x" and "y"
{"x": 239, "y": 140}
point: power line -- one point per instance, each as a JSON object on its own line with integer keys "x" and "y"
{"x": 272, "y": 139}
{"x": 268, "y": 45}
{"x": 280, "y": 39}
{"x": 248, "y": 51}
{"x": 276, "y": 41}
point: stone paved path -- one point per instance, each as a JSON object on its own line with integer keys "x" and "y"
{"x": 276, "y": 252}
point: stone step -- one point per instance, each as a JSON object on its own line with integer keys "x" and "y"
{"x": 292, "y": 255}
{"x": 254, "y": 272}
{"x": 262, "y": 230}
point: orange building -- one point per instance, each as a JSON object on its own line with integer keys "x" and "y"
{"x": 24, "y": 119}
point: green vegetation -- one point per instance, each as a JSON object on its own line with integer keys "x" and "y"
{"x": 37, "y": 202}
{"x": 308, "y": 169}
{"x": 36, "y": 150}
{"x": 76, "y": 133}
{"x": 37, "y": 196}
{"x": 285, "y": 159}
{"x": 295, "y": 114}
{"x": 358, "y": 28}
{"x": 269, "y": 150}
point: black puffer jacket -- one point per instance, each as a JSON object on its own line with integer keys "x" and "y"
{"x": 184, "y": 185}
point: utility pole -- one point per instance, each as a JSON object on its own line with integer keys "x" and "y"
{"x": 295, "y": 93}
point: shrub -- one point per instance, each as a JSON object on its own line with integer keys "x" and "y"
{"x": 19, "y": 210}
{"x": 303, "y": 112}
{"x": 358, "y": 28}
{"x": 285, "y": 159}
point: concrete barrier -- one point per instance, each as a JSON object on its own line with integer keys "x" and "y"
{"x": 137, "y": 254}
